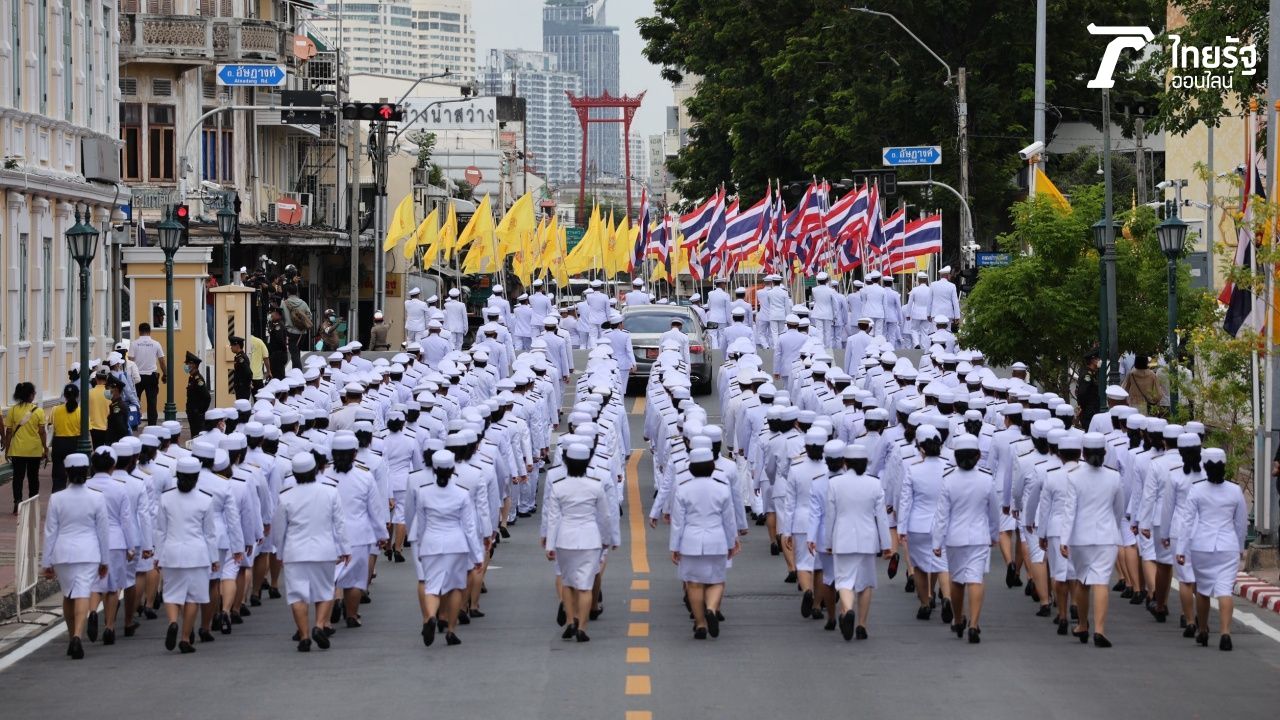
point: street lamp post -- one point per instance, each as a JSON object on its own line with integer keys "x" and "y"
{"x": 170, "y": 240}
{"x": 227, "y": 222}
{"x": 1109, "y": 255}
{"x": 82, "y": 243}
{"x": 1102, "y": 240}
{"x": 1172, "y": 234}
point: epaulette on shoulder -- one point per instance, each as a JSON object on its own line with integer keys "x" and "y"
{"x": 331, "y": 484}
{"x": 206, "y": 492}
{"x": 362, "y": 466}
{"x": 173, "y": 488}
{"x": 984, "y": 471}
{"x": 722, "y": 481}
{"x": 948, "y": 471}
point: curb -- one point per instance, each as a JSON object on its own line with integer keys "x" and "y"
{"x": 1259, "y": 592}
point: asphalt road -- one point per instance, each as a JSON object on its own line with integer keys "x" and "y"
{"x": 642, "y": 662}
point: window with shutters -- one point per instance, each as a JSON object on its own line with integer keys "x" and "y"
{"x": 160, "y": 142}
{"x": 129, "y": 6}
{"x": 24, "y": 283}
{"x": 131, "y": 135}
{"x": 90, "y": 62}
{"x": 217, "y": 8}
{"x": 15, "y": 32}
{"x": 46, "y": 292}
{"x": 68, "y": 89}
{"x": 216, "y": 156}
{"x": 160, "y": 7}
{"x": 161, "y": 87}
{"x": 129, "y": 86}
{"x": 72, "y": 296}
{"x": 42, "y": 50}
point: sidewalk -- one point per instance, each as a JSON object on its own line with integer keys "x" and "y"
{"x": 1260, "y": 587}
{"x": 9, "y": 532}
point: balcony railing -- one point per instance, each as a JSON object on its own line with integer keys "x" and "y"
{"x": 195, "y": 40}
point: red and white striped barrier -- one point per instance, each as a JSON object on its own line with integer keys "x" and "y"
{"x": 1259, "y": 592}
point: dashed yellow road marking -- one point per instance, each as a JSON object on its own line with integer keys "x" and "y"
{"x": 635, "y": 516}
{"x": 638, "y": 685}
{"x": 637, "y": 654}
{"x": 638, "y": 407}
{"x": 639, "y": 584}
{"x": 638, "y": 629}
{"x": 639, "y": 715}
{"x": 639, "y": 605}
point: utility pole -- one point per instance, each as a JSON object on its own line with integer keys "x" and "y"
{"x": 1109, "y": 255}
{"x": 381, "y": 155}
{"x": 1139, "y": 157}
{"x": 353, "y": 220}
{"x": 962, "y": 142}
{"x": 1265, "y": 518}
{"x": 1038, "y": 131}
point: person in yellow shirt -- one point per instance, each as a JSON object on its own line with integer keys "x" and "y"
{"x": 258, "y": 362}
{"x": 99, "y": 406}
{"x": 66, "y": 433}
{"x": 24, "y": 441}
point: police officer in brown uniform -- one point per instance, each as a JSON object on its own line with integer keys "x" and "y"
{"x": 197, "y": 394}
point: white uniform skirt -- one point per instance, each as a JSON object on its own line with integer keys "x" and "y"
{"x": 766, "y": 496}
{"x": 186, "y": 585}
{"x": 229, "y": 568}
{"x": 920, "y": 549}
{"x": 854, "y": 571}
{"x": 1060, "y": 569}
{"x": 1008, "y": 523}
{"x": 76, "y": 579}
{"x": 827, "y": 564}
{"x": 118, "y": 575}
{"x": 1185, "y": 573}
{"x": 705, "y": 569}
{"x": 1146, "y": 547}
{"x": 1215, "y": 571}
{"x": 1032, "y": 543}
{"x": 968, "y": 564}
{"x": 309, "y": 582}
{"x": 354, "y": 574}
{"x": 1127, "y": 538}
{"x": 445, "y": 572}
{"x": 397, "y": 513}
{"x": 267, "y": 546}
{"x": 578, "y": 568}
{"x": 1093, "y": 564}
{"x": 804, "y": 560}
{"x": 1164, "y": 555}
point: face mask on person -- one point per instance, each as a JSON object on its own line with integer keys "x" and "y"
{"x": 187, "y": 481}
{"x": 967, "y": 459}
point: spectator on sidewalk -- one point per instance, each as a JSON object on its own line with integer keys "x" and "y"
{"x": 258, "y": 362}
{"x": 1143, "y": 387}
{"x": 66, "y": 433}
{"x": 99, "y": 404}
{"x": 298, "y": 324}
{"x": 117, "y": 412}
{"x": 378, "y": 333}
{"x": 25, "y": 442}
{"x": 277, "y": 343}
{"x": 148, "y": 356}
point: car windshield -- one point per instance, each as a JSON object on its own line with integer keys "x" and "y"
{"x": 650, "y": 323}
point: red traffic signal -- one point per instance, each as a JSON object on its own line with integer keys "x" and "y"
{"x": 182, "y": 213}
{"x": 373, "y": 112}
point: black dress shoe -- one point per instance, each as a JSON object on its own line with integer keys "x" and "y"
{"x": 860, "y": 633}
{"x": 1126, "y": 594}
{"x": 1044, "y": 611}
{"x": 75, "y": 649}
{"x": 464, "y": 618}
{"x": 847, "y": 622}
{"x": 205, "y": 635}
{"x": 1100, "y": 640}
{"x": 320, "y": 637}
{"x": 255, "y": 600}
{"x": 236, "y": 619}
{"x": 569, "y": 631}
{"x": 330, "y": 631}
{"x": 353, "y": 622}
{"x": 304, "y": 645}
{"x": 150, "y": 613}
{"x": 924, "y": 612}
{"x": 1189, "y": 631}
{"x": 476, "y": 613}
{"x": 760, "y": 519}
{"x": 1139, "y": 598}
{"x": 108, "y": 637}
{"x": 451, "y": 639}
{"x": 244, "y": 611}
{"x": 1082, "y": 636}
{"x": 399, "y": 556}
{"x": 816, "y": 614}
{"x": 699, "y": 633}
{"x": 129, "y": 630}
{"x": 428, "y": 632}
{"x": 335, "y": 614}
{"x": 911, "y": 584}
{"x": 365, "y": 598}
{"x": 186, "y": 648}
{"x": 1030, "y": 587}
{"x": 832, "y": 619}
{"x": 596, "y": 613}
{"x": 92, "y": 629}
{"x": 502, "y": 530}
{"x": 1161, "y": 614}
{"x": 224, "y": 623}
{"x": 1062, "y": 627}
{"x": 791, "y": 577}
{"x": 1075, "y": 615}
{"x": 774, "y": 549}
{"x": 1118, "y": 587}
{"x": 1202, "y": 638}
{"x": 171, "y": 637}
{"x": 719, "y": 616}
{"x": 561, "y": 616}
{"x": 894, "y": 559}
{"x": 1010, "y": 575}
{"x": 806, "y": 604}
{"x": 1224, "y": 643}
{"x": 713, "y": 623}
{"x": 947, "y": 613}
{"x": 582, "y": 637}
{"x": 296, "y": 636}
{"x": 975, "y": 636}
{"x": 273, "y": 593}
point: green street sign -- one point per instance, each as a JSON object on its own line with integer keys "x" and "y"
{"x": 572, "y": 237}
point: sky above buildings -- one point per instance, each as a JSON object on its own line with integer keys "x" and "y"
{"x": 511, "y": 24}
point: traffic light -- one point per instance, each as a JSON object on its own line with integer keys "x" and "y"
{"x": 182, "y": 213}
{"x": 372, "y": 112}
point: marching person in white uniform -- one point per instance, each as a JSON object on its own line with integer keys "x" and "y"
{"x": 967, "y": 524}
{"x": 824, "y": 313}
{"x": 1215, "y": 521}
{"x": 919, "y": 321}
{"x": 855, "y": 530}
{"x": 1092, "y": 522}
{"x": 704, "y": 536}
{"x": 77, "y": 547}
{"x": 943, "y": 298}
{"x": 577, "y": 523}
{"x": 187, "y": 547}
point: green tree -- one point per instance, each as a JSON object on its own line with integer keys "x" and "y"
{"x": 795, "y": 88}
{"x": 1042, "y": 309}
{"x": 1082, "y": 167}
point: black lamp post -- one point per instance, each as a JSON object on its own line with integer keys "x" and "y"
{"x": 82, "y": 243}
{"x": 170, "y": 232}
{"x": 227, "y": 222}
{"x": 1101, "y": 241}
{"x": 1172, "y": 234}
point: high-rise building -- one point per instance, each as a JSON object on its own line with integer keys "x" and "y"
{"x": 577, "y": 33}
{"x": 639, "y": 158}
{"x": 554, "y": 137}
{"x": 404, "y": 38}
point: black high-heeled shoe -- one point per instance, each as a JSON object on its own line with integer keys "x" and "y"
{"x": 975, "y": 636}
{"x": 1190, "y": 630}
{"x": 1202, "y": 638}
{"x": 1082, "y": 636}
{"x": 1062, "y": 627}
{"x": 1224, "y": 643}
{"x": 1100, "y": 640}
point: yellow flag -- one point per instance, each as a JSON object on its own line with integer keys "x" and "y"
{"x": 560, "y": 271}
{"x": 1046, "y": 188}
{"x": 428, "y": 237}
{"x": 449, "y": 233}
{"x": 401, "y": 223}
{"x": 622, "y": 244}
{"x": 525, "y": 259}
{"x": 515, "y": 225}
{"x": 550, "y": 246}
{"x": 589, "y": 254}
{"x": 482, "y": 257}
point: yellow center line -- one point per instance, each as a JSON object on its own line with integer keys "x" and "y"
{"x": 638, "y": 629}
{"x": 639, "y": 715}
{"x": 635, "y": 516}
{"x": 638, "y": 685}
{"x": 638, "y": 407}
{"x": 639, "y": 605}
{"x": 639, "y": 584}
{"x": 638, "y": 655}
